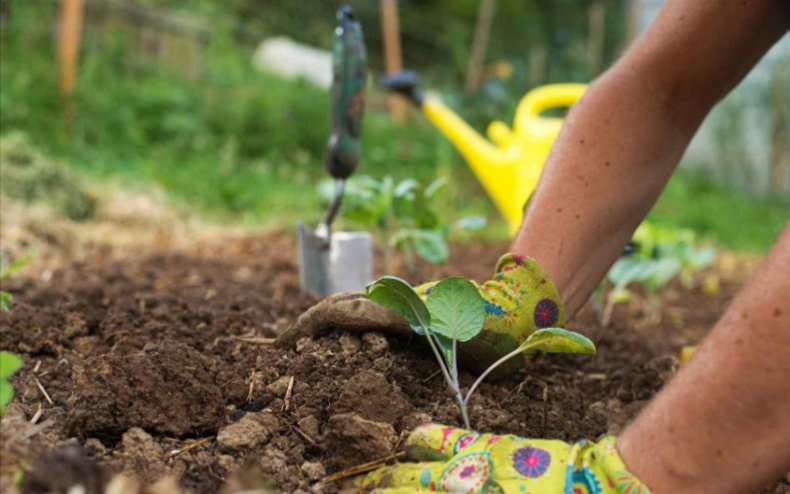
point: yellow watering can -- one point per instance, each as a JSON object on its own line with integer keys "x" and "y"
{"x": 508, "y": 168}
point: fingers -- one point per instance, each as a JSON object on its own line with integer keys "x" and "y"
{"x": 365, "y": 315}
{"x": 310, "y": 323}
{"x": 344, "y": 311}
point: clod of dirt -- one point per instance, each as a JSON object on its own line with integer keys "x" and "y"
{"x": 372, "y": 397}
{"x": 415, "y": 420}
{"x": 275, "y": 466}
{"x": 141, "y": 456}
{"x": 313, "y": 470}
{"x": 374, "y": 344}
{"x": 351, "y": 440}
{"x": 63, "y": 470}
{"x": 166, "y": 388}
{"x": 252, "y": 430}
{"x": 279, "y": 387}
{"x": 309, "y": 425}
{"x": 349, "y": 344}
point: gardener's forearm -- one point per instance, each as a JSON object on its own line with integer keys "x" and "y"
{"x": 621, "y": 143}
{"x": 615, "y": 153}
{"x": 722, "y": 425}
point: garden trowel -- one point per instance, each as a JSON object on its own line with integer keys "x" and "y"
{"x": 331, "y": 262}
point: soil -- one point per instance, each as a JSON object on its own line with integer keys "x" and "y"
{"x": 151, "y": 364}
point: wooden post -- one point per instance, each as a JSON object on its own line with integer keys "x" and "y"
{"x": 477, "y": 55}
{"x": 597, "y": 30}
{"x": 780, "y": 126}
{"x": 537, "y": 65}
{"x": 390, "y": 28}
{"x": 69, "y": 36}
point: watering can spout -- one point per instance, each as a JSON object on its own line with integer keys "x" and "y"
{"x": 510, "y": 166}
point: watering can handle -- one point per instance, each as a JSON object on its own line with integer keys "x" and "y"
{"x": 349, "y": 72}
{"x": 545, "y": 97}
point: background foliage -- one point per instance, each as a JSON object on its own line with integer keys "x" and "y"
{"x": 235, "y": 144}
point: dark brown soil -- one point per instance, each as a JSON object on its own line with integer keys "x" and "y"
{"x": 150, "y": 368}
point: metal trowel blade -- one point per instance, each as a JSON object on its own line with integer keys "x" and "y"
{"x": 344, "y": 264}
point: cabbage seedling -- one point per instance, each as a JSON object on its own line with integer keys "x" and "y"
{"x": 454, "y": 311}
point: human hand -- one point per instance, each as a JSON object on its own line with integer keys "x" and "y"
{"x": 519, "y": 299}
{"x": 451, "y": 460}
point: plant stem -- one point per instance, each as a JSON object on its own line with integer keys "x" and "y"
{"x": 459, "y": 394}
{"x": 409, "y": 253}
{"x": 454, "y": 368}
{"x": 464, "y": 412}
{"x": 606, "y": 315}
{"x": 450, "y": 382}
{"x": 491, "y": 368}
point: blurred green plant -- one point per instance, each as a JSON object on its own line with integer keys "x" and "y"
{"x": 7, "y": 271}
{"x": 30, "y": 176}
{"x": 233, "y": 144}
{"x": 9, "y": 364}
{"x": 403, "y": 216}
{"x": 659, "y": 255}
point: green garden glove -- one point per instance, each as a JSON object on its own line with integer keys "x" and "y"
{"x": 450, "y": 460}
{"x": 520, "y": 298}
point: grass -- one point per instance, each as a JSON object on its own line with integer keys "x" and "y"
{"x": 731, "y": 218}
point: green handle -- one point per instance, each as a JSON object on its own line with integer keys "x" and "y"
{"x": 348, "y": 95}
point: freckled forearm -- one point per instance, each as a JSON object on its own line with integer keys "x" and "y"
{"x": 616, "y": 151}
{"x": 722, "y": 425}
{"x": 624, "y": 139}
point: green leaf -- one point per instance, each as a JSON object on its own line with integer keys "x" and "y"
{"x": 446, "y": 346}
{"x": 457, "y": 309}
{"x": 8, "y": 271}
{"x": 700, "y": 258}
{"x": 396, "y": 294}
{"x": 557, "y": 340}
{"x": 430, "y": 245}
{"x": 6, "y": 299}
{"x": 6, "y": 394}
{"x": 661, "y": 271}
{"x": 9, "y": 363}
{"x": 406, "y": 188}
{"x": 619, "y": 295}
{"x": 628, "y": 270}
{"x": 470, "y": 223}
{"x": 435, "y": 187}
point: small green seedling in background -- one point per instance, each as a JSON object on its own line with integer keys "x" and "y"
{"x": 403, "y": 216}
{"x": 9, "y": 363}
{"x": 661, "y": 255}
{"x": 455, "y": 312}
{"x": 6, "y": 299}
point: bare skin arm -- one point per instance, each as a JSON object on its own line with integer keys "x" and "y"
{"x": 722, "y": 425}
{"x": 624, "y": 139}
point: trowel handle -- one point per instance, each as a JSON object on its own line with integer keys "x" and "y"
{"x": 349, "y": 63}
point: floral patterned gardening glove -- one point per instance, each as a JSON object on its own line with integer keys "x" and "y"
{"x": 450, "y": 460}
{"x": 520, "y": 298}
